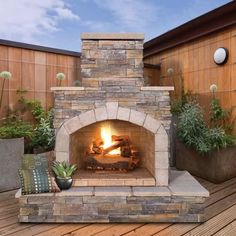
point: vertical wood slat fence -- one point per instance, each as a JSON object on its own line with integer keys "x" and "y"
{"x": 194, "y": 62}
{"x": 35, "y": 71}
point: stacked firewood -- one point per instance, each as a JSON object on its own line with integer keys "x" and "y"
{"x": 98, "y": 157}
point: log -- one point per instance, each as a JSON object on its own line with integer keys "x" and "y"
{"x": 96, "y": 146}
{"x": 114, "y": 146}
{"x": 110, "y": 162}
{"x": 120, "y": 138}
{"x": 98, "y": 142}
{"x": 125, "y": 150}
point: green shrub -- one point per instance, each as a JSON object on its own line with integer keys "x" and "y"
{"x": 16, "y": 129}
{"x": 194, "y": 132}
{"x": 34, "y": 106}
{"x": 44, "y": 136}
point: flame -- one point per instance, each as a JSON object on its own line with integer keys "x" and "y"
{"x": 106, "y": 137}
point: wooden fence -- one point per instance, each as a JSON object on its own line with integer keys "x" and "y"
{"x": 193, "y": 62}
{"x": 35, "y": 71}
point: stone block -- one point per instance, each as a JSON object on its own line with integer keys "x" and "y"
{"x": 149, "y": 182}
{"x": 90, "y": 37}
{"x": 62, "y": 140}
{"x": 62, "y": 156}
{"x": 151, "y": 191}
{"x": 112, "y": 191}
{"x": 162, "y": 176}
{"x": 137, "y": 117}
{"x": 161, "y": 130}
{"x": 76, "y": 191}
{"x": 123, "y": 113}
{"x": 101, "y": 113}
{"x": 161, "y": 159}
{"x": 161, "y": 142}
{"x": 134, "y": 72}
{"x": 183, "y": 184}
{"x": 137, "y": 54}
{"x": 151, "y": 124}
{"x": 87, "y": 118}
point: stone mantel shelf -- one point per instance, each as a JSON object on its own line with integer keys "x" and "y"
{"x": 144, "y": 88}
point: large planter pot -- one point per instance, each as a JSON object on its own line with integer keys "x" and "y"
{"x": 216, "y": 166}
{"x": 11, "y": 152}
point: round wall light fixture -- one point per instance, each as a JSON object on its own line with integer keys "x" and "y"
{"x": 221, "y": 56}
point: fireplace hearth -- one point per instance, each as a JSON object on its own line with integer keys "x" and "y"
{"x": 117, "y": 131}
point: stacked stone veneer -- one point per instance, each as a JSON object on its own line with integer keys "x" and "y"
{"x": 111, "y": 56}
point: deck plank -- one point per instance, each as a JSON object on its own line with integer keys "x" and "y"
{"x": 90, "y": 230}
{"x": 177, "y": 229}
{"x": 215, "y": 224}
{"x": 148, "y": 229}
{"x": 220, "y": 206}
{"x": 62, "y": 229}
{"x": 229, "y": 230}
{"x": 119, "y": 229}
{"x": 34, "y": 230}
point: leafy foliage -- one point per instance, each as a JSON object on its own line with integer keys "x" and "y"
{"x": 16, "y": 129}
{"x": 44, "y": 136}
{"x": 219, "y": 117}
{"x": 63, "y": 169}
{"x": 34, "y": 106}
{"x": 194, "y": 132}
{"x": 178, "y": 103}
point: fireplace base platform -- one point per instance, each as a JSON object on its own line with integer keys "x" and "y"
{"x": 137, "y": 177}
{"x": 182, "y": 201}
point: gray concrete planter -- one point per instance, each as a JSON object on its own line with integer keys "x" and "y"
{"x": 216, "y": 167}
{"x": 11, "y": 152}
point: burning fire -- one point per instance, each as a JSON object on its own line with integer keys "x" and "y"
{"x": 107, "y": 139}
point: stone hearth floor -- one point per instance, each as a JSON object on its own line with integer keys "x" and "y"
{"x": 182, "y": 201}
{"x": 137, "y": 177}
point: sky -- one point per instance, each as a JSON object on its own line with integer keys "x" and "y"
{"x": 58, "y": 23}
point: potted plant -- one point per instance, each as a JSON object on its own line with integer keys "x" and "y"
{"x": 206, "y": 149}
{"x": 63, "y": 173}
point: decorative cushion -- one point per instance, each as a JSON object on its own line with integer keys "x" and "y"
{"x": 33, "y": 161}
{"x": 37, "y": 181}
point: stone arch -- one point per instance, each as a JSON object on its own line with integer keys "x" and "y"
{"x": 112, "y": 111}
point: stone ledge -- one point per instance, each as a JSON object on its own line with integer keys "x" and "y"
{"x": 112, "y": 36}
{"x": 157, "y": 88}
{"x": 112, "y": 191}
{"x": 77, "y": 191}
{"x": 183, "y": 184}
{"x": 151, "y": 191}
{"x": 67, "y": 88}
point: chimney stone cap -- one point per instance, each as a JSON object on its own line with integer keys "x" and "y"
{"x": 112, "y": 36}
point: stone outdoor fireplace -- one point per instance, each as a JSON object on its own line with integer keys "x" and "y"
{"x": 113, "y": 96}
{"x": 117, "y": 131}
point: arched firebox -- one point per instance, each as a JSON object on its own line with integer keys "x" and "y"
{"x": 145, "y": 137}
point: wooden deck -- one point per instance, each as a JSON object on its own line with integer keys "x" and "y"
{"x": 220, "y": 211}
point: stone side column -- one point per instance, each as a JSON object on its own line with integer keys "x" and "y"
{"x": 111, "y": 57}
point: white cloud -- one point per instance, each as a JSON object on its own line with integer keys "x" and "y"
{"x": 24, "y": 20}
{"x": 131, "y": 14}
{"x": 65, "y": 13}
